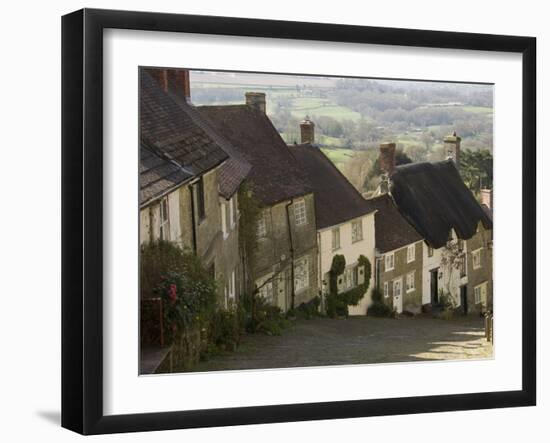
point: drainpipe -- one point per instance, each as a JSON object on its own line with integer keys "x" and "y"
{"x": 193, "y": 226}
{"x": 292, "y": 292}
{"x": 320, "y": 272}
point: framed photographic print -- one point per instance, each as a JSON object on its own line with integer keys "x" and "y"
{"x": 270, "y": 221}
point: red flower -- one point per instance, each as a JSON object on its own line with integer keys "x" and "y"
{"x": 172, "y": 293}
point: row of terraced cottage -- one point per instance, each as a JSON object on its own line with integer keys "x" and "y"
{"x": 424, "y": 232}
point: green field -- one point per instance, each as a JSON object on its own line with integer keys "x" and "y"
{"x": 338, "y": 156}
{"x": 321, "y": 107}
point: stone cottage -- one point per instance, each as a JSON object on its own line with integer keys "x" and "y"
{"x": 344, "y": 220}
{"x": 283, "y": 265}
{"x": 399, "y": 257}
{"x": 188, "y": 182}
{"x": 456, "y": 230}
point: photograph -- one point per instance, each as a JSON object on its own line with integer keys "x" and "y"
{"x": 291, "y": 221}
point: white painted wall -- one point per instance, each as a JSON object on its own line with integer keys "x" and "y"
{"x": 149, "y": 220}
{"x": 447, "y": 279}
{"x": 351, "y": 252}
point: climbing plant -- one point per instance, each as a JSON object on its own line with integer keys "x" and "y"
{"x": 338, "y": 304}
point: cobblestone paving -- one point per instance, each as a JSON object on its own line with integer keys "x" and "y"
{"x": 359, "y": 340}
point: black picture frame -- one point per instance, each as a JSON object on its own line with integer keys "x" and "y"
{"x": 82, "y": 217}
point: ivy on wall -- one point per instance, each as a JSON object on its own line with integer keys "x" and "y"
{"x": 338, "y": 303}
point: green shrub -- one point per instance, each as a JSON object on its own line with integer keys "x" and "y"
{"x": 259, "y": 316}
{"x": 187, "y": 290}
{"x": 377, "y": 295}
{"x": 337, "y": 305}
{"x": 307, "y": 310}
{"x": 380, "y": 309}
{"x": 224, "y": 331}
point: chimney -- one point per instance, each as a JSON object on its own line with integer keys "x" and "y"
{"x": 175, "y": 80}
{"x": 307, "y": 130}
{"x": 178, "y": 81}
{"x": 452, "y": 148}
{"x": 486, "y": 197}
{"x": 256, "y": 100}
{"x": 387, "y": 158}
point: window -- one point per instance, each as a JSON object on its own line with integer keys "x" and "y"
{"x": 356, "y": 231}
{"x": 411, "y": 252}
{"x": 335, "y": 239}
{"x": 389, "y": 261}
{"x": 301, "y": 274}
{"x": 410, "y": 282}
{"x": 350, "y": 278}
{"x": 266, "y": 291}
{"x": 200, "y": 199}
{"x": 476, "y": 258}
{"x": 430, "y": 251}
{"x": 232, "y": 219}
{"x": 300, "y": 213}
{"x": 224, "y": 219}
{"x": 460, "y": 244}
{"x": 261, "y": 228}
{"x": 386, "y": 289}
{"x": 462, "y": 265}
{"x": 480, "y": 294}
{"x": 232, "y": 286}
{"x": 164, "y": 220}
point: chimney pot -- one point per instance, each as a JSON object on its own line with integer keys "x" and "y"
{"x": 452, "y": 148}
{"x": 387, "y": 158}
{"x": 256, "y": 100}
{"x": 307, "y": 131}
{"x": 486, "y": 196}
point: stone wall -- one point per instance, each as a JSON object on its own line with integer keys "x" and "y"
{"x": 273, "y": 255}
{"x": 482, "y": 239}
{"x": 412, "y": 301}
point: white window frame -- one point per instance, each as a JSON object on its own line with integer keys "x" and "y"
{"x": 476, "y": 258}
{"x": 336, "y": 235}
{"x": 232, "y": 286}
{"x": 477, "y": 295}
{"x": 387, "y": 260}
{"x": 356, "y": 231}
{"x": 480, "y": 294}
{"x": 300, "y": 215}
{"x": 164, "y": 223}
{"x": 224, "y": 220}
{"x": 261, "y": 227}
{"x": 411, "y": 253}
{"x": 232, "y": 213}
{"x": 386, "y": 289}
{"x": 409, "y": 282}
{"x": 301, "y": 279}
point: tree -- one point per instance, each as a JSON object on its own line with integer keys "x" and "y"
{"x": 476, "y": 168}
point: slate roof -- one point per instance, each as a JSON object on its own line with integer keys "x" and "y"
{"x": 173, "y": 131}
{"x": 392, "y": 230}
{"x": 158, "y": 175}
{"x": 434, "y": 199}
{"x": 336, "y": 200}
{"x": 274, "y": 175}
